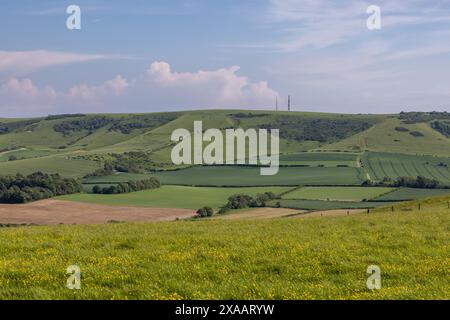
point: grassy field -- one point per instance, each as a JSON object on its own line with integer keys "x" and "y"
{"x": 337, "y": 193}
{"x": 383, "y": 137}
{"x": 288, "y": 258}
{"x": 173, "y": 197}
{"x": 52, "y": 164}
{"x": 250, "y": 176}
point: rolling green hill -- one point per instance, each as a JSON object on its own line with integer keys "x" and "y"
{"x": 348, "y": 148}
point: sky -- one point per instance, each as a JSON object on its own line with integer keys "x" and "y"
{"x": 154, "y": 55}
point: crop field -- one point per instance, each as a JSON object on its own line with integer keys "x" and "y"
{"x": 173, "y": 197}
{"x": 327, "y": 205}
{"x": 287, "y": 258}
{"x": 315, "y": 159}
{"x": 250, "y": 176}
{"x": 337, "y": 193}
{"x": 380, "y": 165}
{"x": 405, "y": 194}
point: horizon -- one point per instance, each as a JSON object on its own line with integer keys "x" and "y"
{"x": 154, "y": 56}
{"x": 217, "y": 110}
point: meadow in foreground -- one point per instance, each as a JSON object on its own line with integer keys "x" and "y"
{"x": 286, "y": 258}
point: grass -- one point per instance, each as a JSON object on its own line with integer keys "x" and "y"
{"x": 315, "y": 258}
{"x": 250, "y": 176}
{"x": 172, "y": 197}
{"x": 337, "y": 193}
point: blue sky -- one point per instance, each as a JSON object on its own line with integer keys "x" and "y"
{"x": 143, "y": 56}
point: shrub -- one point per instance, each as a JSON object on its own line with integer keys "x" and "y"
{"x": 416, "y": 134}
{"x": 205, "y": 212}
{"x": 241, "y": 201}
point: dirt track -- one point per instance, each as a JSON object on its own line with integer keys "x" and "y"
{"x": 68, "y": 212}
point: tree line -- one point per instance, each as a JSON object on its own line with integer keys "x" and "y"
{"x": 409, "y": 182}
{"x": 36, "y": 186}
{"x": 322, "y": 130}
{"x": 127, "y": 187}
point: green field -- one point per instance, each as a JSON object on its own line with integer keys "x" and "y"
{"x": 250, "y": 176}
{"x": 286, "y": 258}
{"x": 405, "y": 194}
{"x": 173, "y": 197}
{"x": 116, "y": 178}
{"x": 337, "y": 193}
{"x": 380, "y": 165}
{"x": 51, "y": 164}
{"x": 326, "y": 159}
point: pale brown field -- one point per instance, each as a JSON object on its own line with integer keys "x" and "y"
{"x": 56, "y": 211}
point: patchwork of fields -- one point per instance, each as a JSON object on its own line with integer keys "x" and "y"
{"x": 250, "y": 253}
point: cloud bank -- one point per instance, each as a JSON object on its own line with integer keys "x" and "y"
{"x": 159, "y": 87}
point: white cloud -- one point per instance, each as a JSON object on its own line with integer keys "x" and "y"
{"x": 221, "y": 88}
{"x": 116, "y": 86}
{"x": 24, "y": 97}
{"x": 161, "y": 87}
{"x": 23, "y": 62}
